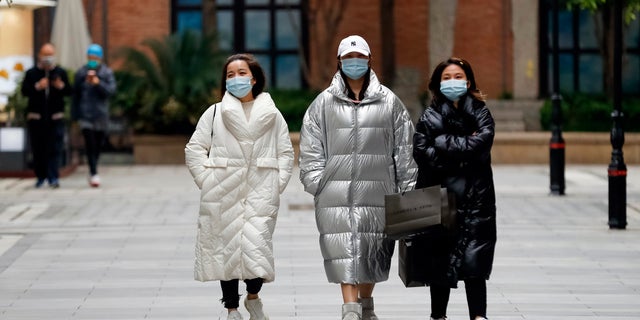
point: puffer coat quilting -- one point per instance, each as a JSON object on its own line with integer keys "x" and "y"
{"x": 241, "y": 178}
{"x": 351, "y": 155}
{"x": 452, "y": 147}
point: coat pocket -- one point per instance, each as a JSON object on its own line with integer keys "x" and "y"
{"x": 268, "y": 180}
{"x": 216, "y": 163}
{"x": 267, "y": 163}
{"x": 211, "y": 177}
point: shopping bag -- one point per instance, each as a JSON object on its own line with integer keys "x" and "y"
{"x": 410, "y": 212}
{"x": 423, "y": 259}
{"x": 412, "y": 263}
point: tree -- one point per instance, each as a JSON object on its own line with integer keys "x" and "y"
{"x": 387, "y": 27}
{"x": 324, "y": 20}
{"x": 603, "y": 16}
{"x": 167, "y": 90}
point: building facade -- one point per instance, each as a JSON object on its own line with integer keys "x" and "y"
{"x": 508, "y": 42}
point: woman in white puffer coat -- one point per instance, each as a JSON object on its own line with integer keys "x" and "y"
{"x": 241, "y": 159}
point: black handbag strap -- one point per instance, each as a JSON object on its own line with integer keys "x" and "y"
{"x": 215, "y": 106}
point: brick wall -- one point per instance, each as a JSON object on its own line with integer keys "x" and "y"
{"x": 412, "y": 37}
{"x": 483, "y": 37}
{"x": 128, "y": 22}
{"x": 362, "y": 17}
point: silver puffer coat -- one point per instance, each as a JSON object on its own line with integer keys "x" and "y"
{"x": 351, "y": 155}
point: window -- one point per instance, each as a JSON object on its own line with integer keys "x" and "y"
{"x": 580, "y": 61}
{"x": 272, "y": 30}
{"x": 187, "y": 14}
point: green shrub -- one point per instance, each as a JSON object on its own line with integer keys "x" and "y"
{"x": 17, "y": 104}
{"x": 591, "y": 113}
{"x": 165, "y": 89}
{"x": 293, "y": 104}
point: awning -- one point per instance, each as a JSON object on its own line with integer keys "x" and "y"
{"x": 33, "y": 4}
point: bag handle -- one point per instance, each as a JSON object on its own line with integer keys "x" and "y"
{"x": 414, "y": 178}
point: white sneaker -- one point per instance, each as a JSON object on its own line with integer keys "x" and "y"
{"x": 94, "y": 181}
{"x": 234, "y": 315}
{"x": 254, "y": 306}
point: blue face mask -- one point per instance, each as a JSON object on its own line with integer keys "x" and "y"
{"x": 453, "y": 89}
{"x": 355, "y": 68}
{"x": 93, "y": 64}
{"x": 239, "y": 86}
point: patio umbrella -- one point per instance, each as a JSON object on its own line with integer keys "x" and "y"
{"x": 70, "y": 34}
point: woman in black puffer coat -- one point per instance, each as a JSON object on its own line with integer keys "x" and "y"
{"x": 452, "y": 147}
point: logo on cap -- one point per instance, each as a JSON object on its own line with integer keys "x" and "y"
{"x": 353, "y": 43}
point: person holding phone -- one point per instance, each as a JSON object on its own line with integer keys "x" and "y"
{"x": 46, "y": 85}
{"x": 94, "y": 85}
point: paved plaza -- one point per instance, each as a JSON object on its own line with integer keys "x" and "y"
{"x": 126, "y": 250}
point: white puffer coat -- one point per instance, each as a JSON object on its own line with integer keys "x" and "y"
{"x": 351, "y": 155}
{"x": 241, "y": 172}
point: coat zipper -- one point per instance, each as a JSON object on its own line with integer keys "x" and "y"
{"x": 354, "y": 231}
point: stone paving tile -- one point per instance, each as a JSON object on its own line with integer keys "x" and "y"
{"x": 125, "y": 251}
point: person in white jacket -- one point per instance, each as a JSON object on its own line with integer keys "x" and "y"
{"x": 241, "y": 159}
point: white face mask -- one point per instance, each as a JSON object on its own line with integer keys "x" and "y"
{"x": 48, "y": 61}
{"x": 453, "y": 89}
{"x": 239, "y": 86}
{"x": 355, "y": 68}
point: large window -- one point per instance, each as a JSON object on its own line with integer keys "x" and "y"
{"x": 272, "y": 30}
{"x": 581, "y": 64}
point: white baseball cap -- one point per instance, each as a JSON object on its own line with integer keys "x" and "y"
{"x": 353, "y": 44}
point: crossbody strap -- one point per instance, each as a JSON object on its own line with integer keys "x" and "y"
{"x": 215, "y": 106}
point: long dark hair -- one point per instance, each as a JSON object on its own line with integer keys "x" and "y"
{"x": 256, "y": 71}
{"x": 434, "y": 82}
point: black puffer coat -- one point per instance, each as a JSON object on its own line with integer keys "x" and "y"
{"x": 452, "y": 147}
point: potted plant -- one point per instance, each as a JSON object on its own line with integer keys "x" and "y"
{"x": 163, "y": 89}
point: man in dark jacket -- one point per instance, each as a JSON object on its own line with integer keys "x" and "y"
{"x": 46, "y": 85}
{"x": 94, "y": 84}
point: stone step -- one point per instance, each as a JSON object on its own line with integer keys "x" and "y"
{"x": 510, "y": 125}
{"x": 516, "y": 115}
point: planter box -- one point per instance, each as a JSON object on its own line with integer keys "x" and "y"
{"x": 508, "y": 148}
{"x": 15, "y": 154}
{"x": 13, "y": 149}
{"x": 580, "y": 148}
{"x": 168, "y": 149}
{"x": 159, "y": 149}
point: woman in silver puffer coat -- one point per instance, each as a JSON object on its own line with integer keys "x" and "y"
{"x": 355, "y": 147}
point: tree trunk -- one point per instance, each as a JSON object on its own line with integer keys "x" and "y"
{"x": 324, "y": 19}
{"x": 387, "y": 31}
{"x": 43, "y": 23}
{"x": 209, "y": 21}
